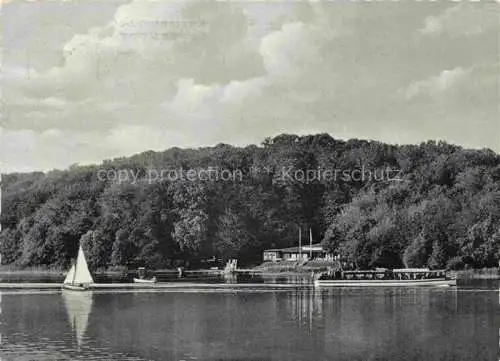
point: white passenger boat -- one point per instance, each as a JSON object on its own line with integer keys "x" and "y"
{"x": 385, "y": 278}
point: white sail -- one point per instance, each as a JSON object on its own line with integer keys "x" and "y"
{"x": 79, "y": 272}
{"x": 70, "y": 275}
{"x": 78, "y": 306}
{"x": 82, "y": 273}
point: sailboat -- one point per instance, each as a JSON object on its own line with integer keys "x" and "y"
{"x": 78, "y": 307}
{"x": 78, "y": 277}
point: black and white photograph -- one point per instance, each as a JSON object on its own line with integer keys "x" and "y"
{"x": 259, "y": 180}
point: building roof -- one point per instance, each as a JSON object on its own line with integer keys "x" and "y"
{"x": 315, "y": 247}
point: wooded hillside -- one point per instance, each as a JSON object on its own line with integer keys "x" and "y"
{"x": 433, "y": 204}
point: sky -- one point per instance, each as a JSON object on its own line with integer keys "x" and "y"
{"x": 84, "y": 81}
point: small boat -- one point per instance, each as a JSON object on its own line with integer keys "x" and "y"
{"x": 141, "y": 272}
{"x": 78, "y": 277}
{"x": 144, "y": 280}
{"x": 383, "y": 278}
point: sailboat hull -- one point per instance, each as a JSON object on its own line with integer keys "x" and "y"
{"x": 142, "y": 280}
{"x": 76, "y": 287}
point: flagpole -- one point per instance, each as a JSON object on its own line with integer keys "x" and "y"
{"x": 0, "y": 210}
{"x": 1, "y": 336}
{"x": 310, "y": 243}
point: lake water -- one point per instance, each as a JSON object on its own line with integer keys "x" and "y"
{"x": 204, "y": 277}
{"x": 300, "y": 324}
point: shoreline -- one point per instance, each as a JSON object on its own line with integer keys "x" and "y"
{"x": 478, "y": 274}
{"x": 485, "y": 273}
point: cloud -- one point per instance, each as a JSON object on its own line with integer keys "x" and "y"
{"x": 464, "y": 19}
{"x": 433, "y": 25}
{"x": 237, "y": 92}
{"x": 25, "y": 150}
{"x": 459, "y": 105}
{"x": 139, "y": 58}
{"x": 15, "y": 147}
{"x": 478, "y": 83}
{"x": 130, "y": 139}
{"x": 436, "y": 85}
{"x": 280, "y": 49}
{"x": 151, "y": 75}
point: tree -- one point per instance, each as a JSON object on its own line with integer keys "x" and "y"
{"x": 93, "y": 243}
{"x": 444, "y": 211}
{"x": 481, "y": 243}
{"x": 120, "y": 254}
{"x": 417, "y": 253}
{"x": 191, "y": 226}
{"x": 231, "y": 236}
{"x": 9, "y": 245}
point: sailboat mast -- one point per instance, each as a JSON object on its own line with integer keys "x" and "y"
{"x": 300, "y": 244}
{"x": 76, "y": 264}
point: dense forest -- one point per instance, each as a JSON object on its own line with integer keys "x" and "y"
{"x": 378, "y": 205}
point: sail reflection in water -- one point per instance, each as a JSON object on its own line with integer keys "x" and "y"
{"x": 78, "y": 307}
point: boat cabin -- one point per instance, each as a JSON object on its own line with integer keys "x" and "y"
{"x": 141, "y": 272}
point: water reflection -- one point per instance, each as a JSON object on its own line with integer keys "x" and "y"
{"x": 1, "y": 321}
{"x": 230, "y": 278}
{"x": 78, "y": 307}
{"x": 396, "y": 323}
{"x": 305, "y": 306}
{"x": 278, "y": 278}
{"x": 242, "y": 325}
{"x": 307, "y": 324}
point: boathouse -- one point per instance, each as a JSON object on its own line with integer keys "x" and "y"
{"x": 304, "y": 253}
